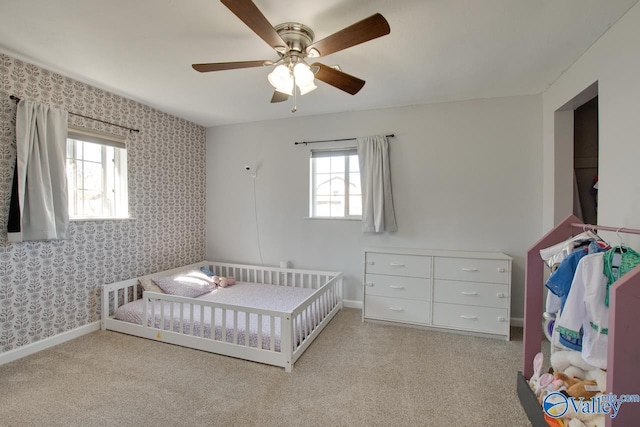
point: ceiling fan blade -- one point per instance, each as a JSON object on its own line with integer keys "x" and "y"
{"x": 368, "y": 29}
{"x": 338, "y": 79}
{"x": 279, "y": 97}
{"x": 219, "y": 66}
{"x": 249, "y": 13}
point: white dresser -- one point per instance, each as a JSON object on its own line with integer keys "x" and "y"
{"x": 465, "y": 291}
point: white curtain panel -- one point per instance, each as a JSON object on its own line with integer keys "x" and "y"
{"x": 41, "y": 137}
{"x": 375, "y": 176}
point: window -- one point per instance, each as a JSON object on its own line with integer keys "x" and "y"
{"x": 335, "y": 184}
{"x": 96, "y": 175}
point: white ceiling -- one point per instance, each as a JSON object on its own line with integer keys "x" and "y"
{"x": 438, "y": 50}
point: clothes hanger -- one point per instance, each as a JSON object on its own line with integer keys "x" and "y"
{"x": 553, "y": 255}
{"x": 616, "y": 260}
{"x": 590, "y": 231}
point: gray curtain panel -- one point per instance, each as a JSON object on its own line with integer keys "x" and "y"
{"x": 40, "y": 210}
{"x": 378, "y": 214}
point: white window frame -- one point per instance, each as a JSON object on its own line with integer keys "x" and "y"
{"x": 332, "y": 152}
{"x": 120, "y": 182}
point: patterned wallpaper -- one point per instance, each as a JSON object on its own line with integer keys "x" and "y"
{"x": 47, "y": 288}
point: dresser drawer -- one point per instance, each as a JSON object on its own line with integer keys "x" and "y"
{"x": 472, "y": 270}
{"x": 470, "y": 293}
{"x": 396, "y": 309}
{"x": 398, "y": 264}
{"x": 471, "y": 318}
{"x": 397, "y": 287}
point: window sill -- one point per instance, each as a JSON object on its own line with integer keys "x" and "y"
{"x": 101, "y": 218}
{"x": 332, "y": 218}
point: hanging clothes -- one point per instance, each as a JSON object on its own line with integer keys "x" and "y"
{"x": 560, "y": 280}
{"x": 585, "y": 308}
{"x": 629, "y": 259}
{"x": 555, "y": 255}
{"x": 559, "y": 284}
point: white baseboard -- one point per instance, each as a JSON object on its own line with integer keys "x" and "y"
{"x": 517, "y": 321}
{"x": 347, "y": 303}
{"x": 37, "y": 346}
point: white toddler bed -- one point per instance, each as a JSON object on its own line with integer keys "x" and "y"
{"x": 270, "y": 316}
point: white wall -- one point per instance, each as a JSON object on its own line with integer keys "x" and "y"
{"x": 466, "y": 176}
{"x": 614, "y": 63}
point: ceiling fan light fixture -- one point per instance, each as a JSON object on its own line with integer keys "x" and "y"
{"x": 287, "y": 89}
{"x": 307, "y": 88}
{"x": 282, "y": 81}
{"x": 303, "y": 74}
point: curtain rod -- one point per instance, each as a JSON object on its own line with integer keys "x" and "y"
{"x": 602, "y": 227}
{"x": 15, "y": 98}
{"x": 333, "y": 140}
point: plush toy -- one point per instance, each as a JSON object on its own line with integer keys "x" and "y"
{"x": 554, "y": 422}
{"x": 549, "y": 383}
{"x": 571, "y": 363}
{"x": 537, "y": 370}
{"x": 599, "y": 376}
{"x": 223, "y": 282}
{"x": 543, "y": 384}
{"x": 587, "y": 420}
{"x": 578, "y": 388}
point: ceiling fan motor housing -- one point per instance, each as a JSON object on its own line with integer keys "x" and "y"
{"x": 297, "y": 36}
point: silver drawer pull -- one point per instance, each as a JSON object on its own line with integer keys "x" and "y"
{"x": 396, "y": 264}
{"x": 396, "y": 287}
{"x": 501, "y": 319}
{"x": 396, "y": 309}
{"x": 501, "y": 269}
{"x": 469, "y": 269}
{"x": 501, "y": 295}
{"x": 469, "y": 293}
{"x": 370, "y": 263}
{"x": 370, "y": 284}
{"x": 468, "y": 317}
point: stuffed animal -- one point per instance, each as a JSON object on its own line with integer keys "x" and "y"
{"x": 549, "y": 383}
{"x": 537, "y": 370}
{"x": 223, "y": 282}
{"x": 543, "y": 384}
{"x": 599, "y": 376}
{"x": 571, "y": 363}
{"x": 578, "y": 388}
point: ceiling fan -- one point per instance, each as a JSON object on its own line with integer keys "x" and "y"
{"x": 294, "y": 44}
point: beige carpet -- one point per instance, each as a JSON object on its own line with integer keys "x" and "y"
{"x": 354, "y": 374}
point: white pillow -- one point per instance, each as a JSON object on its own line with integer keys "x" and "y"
{"x": 190, "y": 284}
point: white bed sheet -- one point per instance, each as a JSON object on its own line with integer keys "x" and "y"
{"x": 250, "y": 295}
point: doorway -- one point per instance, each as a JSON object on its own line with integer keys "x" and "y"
{"x": 585, "y": 161}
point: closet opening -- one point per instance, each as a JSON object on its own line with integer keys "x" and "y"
{"x": 576, "y": 157}
{"x": 585, "y": 161}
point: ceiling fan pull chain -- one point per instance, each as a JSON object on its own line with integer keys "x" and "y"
{"x": 295, "y": 95}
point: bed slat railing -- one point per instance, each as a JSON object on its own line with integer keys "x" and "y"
{"x": 312, "y": 315}
{"x": 232, "y": 324}
{"x": 273, "y": 275}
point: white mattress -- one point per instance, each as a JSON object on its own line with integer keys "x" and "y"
{"x": 250, "y": 295}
